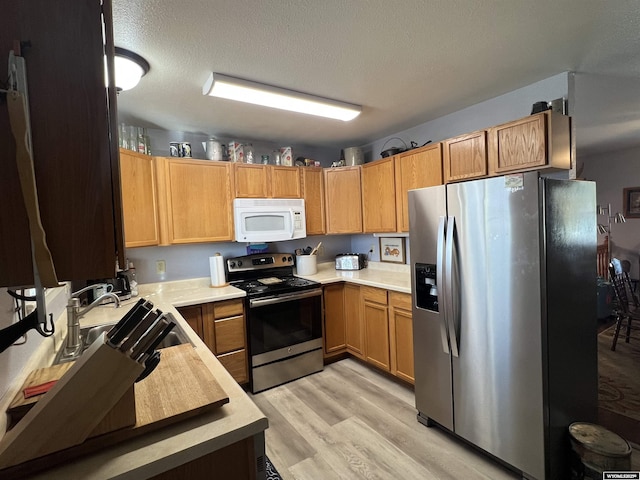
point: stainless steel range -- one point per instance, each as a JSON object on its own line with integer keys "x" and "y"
{"x": 284, "y": 318}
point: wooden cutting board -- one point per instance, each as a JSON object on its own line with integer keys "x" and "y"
{"x": 180, "y": 387}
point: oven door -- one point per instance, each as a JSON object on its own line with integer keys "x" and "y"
{"x": 276, "y": 324}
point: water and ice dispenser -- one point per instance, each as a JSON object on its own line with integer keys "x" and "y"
{"x": 426, "y": 287}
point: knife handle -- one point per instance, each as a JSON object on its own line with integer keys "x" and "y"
{"x": 126, "y": 317}
{"x": 130, "y": 324}
{"x": 149, "y": 337}
{"x": 146, "y": 323}
{"x": 149, "y": 351}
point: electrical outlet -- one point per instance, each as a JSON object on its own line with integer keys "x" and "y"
{"x": 320, "y": 251}
{"x": 372, "y": 248}
{"x": 161, "y": 267}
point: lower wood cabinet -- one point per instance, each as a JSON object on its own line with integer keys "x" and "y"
{"x": 354, "y": 326}
{"x": 376, "y": 326}
{"x": 401, "y": 336}
{"x": 221, "y": 325}
{"x": 372, "y": 324}
{"x": 334, "y": 319}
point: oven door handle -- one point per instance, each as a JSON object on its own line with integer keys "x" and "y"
{"x": 260, "y": 302}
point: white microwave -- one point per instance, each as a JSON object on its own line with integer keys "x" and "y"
{"x": 269, "y": 219}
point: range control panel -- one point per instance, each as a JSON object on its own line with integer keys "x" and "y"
{"x": 259, "y": 261}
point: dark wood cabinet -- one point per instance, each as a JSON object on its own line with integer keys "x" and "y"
{"x": 74, "y": 137}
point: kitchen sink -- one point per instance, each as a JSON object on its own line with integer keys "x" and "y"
{"x": 88, "y": 335}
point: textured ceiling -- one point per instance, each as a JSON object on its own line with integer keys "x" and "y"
{"x": 406, "y": 62}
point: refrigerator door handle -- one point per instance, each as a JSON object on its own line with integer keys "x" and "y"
{"x": 451, "y": 312}
{"x": 442, "y": 224}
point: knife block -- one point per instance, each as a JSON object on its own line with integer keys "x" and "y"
{"x": 122, "y": 415}
{"x": 70, "y": 412}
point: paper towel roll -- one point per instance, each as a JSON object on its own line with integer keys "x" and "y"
{"x": 216, "y": 264}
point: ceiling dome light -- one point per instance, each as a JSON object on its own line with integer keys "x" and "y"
{"x": 130, "y": 68}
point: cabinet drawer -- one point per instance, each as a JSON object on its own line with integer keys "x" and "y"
{"x": 229, "y": 334}
{"x": 400, "y": 300}
{"x": 236, "y": 365}
{"x": 228, "y": 308}
{"x": 376, "y": 295}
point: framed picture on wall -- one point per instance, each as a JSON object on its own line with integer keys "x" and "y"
{"x": 631, "y": 202}
{"x": 392, "y": 249}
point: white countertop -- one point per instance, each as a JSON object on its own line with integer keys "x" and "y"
{"x": 159, "y": 451}
{"x": 155, "y": 452}
{"x": 381, "y": 275}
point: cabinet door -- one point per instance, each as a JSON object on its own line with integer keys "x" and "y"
{"x": 251, "y": 181}
{"x": 379, "y": 196}
{"x": 465, "y": 157}
{"x": 334, "y": 323}
{"x": 198, "y": 200}
{"x": 285, "y": 182}
{"x": 139, "y": 206}
{"x": 230, "y": 334}
{"x": 343, "y": 200}
{"x": 401, "y": 336}
{"x": 194, "y": 316}
{"x": 236, "y": 364}
{"x": 74, "y": 141}
{"x": 376, "y": 326}
{"x": 416, "y": 169}
{"x": 313, "y": 194}
{"x": 518, "y": 145}
{"x": 376, "y": 334}
{"x": 353, "y": 320}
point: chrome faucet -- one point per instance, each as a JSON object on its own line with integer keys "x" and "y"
{"x": 73, "y": 347}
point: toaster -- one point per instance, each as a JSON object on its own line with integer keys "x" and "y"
{"x": 351, "y": 261}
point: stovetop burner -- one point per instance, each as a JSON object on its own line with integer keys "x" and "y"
{"x": 283, "y": 285}
{"x": 266, "y": 274}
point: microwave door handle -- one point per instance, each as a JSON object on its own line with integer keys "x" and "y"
{"x": 292, "y": 223}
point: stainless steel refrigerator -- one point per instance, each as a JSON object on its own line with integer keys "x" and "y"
{"x": 504, "y": 314}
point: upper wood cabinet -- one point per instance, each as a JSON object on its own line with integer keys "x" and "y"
{"x": 343, "y": 200}
{"x": 465, "y": 157}
{"x": 313, "y": 193}
{"x": 417, "y": 168}
{"x": 285, "y": 181}
{"x": 266, "y": 181}
{"x": 538, "y": 141}
{"x": 379, "y": 196}
{"x": 139, "y": 205}
{"x": 74, "y": 141}
{"x": 251, "y": 180}
{"x": 195, "y": 200}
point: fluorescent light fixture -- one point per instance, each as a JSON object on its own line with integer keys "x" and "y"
{"x": 222, "y": 86}
{"x": 130, "y": 68}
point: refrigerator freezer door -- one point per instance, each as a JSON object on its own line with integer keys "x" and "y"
{"x": 427, "y": 211}
{"x": 498, "y": 376}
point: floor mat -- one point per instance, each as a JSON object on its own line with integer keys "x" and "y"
{"x": 272, "y": 473}
{"x": 619, "y": 382}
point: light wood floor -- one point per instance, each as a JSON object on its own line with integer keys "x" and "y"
{"x": 349, "y": 421}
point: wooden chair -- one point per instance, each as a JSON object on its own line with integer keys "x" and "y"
{"x": 623, "y": 289}
{"x": 603, "y": 259}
